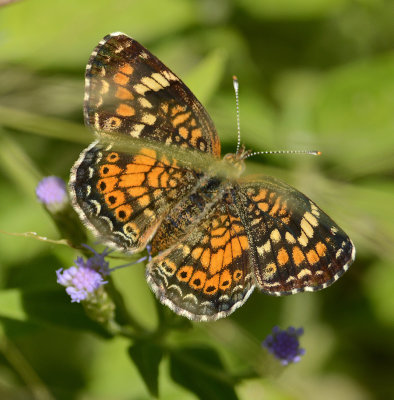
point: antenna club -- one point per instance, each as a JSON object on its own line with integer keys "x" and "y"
{"x": 235, "y": 83}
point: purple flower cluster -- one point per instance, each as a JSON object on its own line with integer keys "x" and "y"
{"x": 52, "y": 192}
{"x": 84, "y": 277}
{"x": 284, "y": 344}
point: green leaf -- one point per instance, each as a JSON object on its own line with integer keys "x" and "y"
{"x": 200, "y": 370}
{"x": 147, "y": 357}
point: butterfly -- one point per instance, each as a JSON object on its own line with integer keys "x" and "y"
{"x": 213, "y": 238}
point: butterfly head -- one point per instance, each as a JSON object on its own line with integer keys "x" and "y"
{"x": 236, "y": 160}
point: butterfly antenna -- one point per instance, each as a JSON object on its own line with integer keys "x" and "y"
{"x": 236, "y": 90}
{"x": 310, "y": 152}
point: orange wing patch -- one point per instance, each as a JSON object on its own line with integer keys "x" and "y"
{"x": 123, "y": 212}
{"x": 153, "y": 177}
{"x": 183, "y": 132}
{"x": 228, "y": 256}
{"x": 137, "y": 168}
{"x": 216, "y": 262}
{"x": 137, "y": 191}
{"x": 220, "y": 241}
{"x": 225, "y": 280}
{"x": 126, "y": 68}
{"x": 176, "y": 109}
{"x": 184, "y": 273}
{"x": 125, "y": 110}
{"x": 298, "y": 256}
{"x": 237, "y": 275}
{"x": 112, "y": 157}
{"x": 121, "y": 79}
{"x": 321, "y": 249}
{"x": 196, "y": 253}
{"x": 129, "y": 180}
{"x": 180, "y": 119}
{"x": 275, "y": 207}
{"x": 115, "y": 199}
{"x": 205, "y": 258}
{"x": 143, "y": 201}
{"x": 198, "y": 279}
{"x": 109, "y": 170}
{"x": 212, "y": 285}
{"x": 312, "y": 257}
{"x": 106, "y": 185}
{"x": 282, "y": 257}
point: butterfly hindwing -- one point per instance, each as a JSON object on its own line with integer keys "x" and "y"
{"x": 207, "y": 274}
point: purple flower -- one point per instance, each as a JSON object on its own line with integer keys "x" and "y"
{"x": 51, "y": 191}
{"x": 284, "y": 344}
{"x": 84, "y": 277}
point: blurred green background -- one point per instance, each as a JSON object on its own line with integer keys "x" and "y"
{"x": 314, "y": 74}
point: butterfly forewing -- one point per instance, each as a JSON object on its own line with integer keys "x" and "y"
{"x": 129, "y": 91}
{"x": 124, "y": 197}
{"x": 296, "y": 246}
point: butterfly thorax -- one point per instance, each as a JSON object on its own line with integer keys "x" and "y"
{"x": 192, "y": 208}
{"x": 188, "y": 212}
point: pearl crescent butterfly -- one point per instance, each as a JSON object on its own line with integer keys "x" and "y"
{"x": 213, "y": 238}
